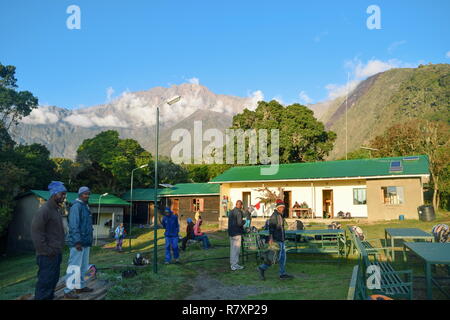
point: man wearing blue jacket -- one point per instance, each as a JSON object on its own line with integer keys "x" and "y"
{"x": 172, "y": 226}
{"x": 80, "y": 241}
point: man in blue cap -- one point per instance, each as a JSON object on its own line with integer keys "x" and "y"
{"x": 172, "y": 226}
{"x": 80, "y": 241}
{"x": 47, "y": 234}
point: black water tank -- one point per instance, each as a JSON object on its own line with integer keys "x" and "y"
{"x": 426, "y": 213}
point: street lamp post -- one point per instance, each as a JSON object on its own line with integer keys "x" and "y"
{"x": 155, "y": 223}
{"x": 98, "y": 217}
{"x": 131, "y": 200}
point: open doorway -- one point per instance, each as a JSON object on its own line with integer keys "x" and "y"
{"x": 327, "y": 196}
{"x": 246, "y": 200}
{"x": 287, "y": 202}
{"x": 176, "y": 206}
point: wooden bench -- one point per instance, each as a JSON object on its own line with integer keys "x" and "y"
{"x": 392, "y": 284}
{"x": 366, "y": 243}
{"x": 356, "y": 289}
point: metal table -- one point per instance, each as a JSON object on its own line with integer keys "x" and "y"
{"x": 405, "y": 234}
{"x": 325, "y": 241}
{"x": 432, "y": 254}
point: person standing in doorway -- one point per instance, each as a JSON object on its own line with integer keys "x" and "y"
{"x": 276, "y": 233}
{"x": 47, "y": 234}
{"x": 235, "y": 230}
{"x": 81, "y": 234}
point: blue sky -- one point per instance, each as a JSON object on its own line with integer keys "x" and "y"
{"x": 291, "y": 50}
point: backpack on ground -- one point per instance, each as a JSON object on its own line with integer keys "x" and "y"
{"x": 300, "y": 225}
{"x": 358, "y": 231}
{"x": 441, "y": 233}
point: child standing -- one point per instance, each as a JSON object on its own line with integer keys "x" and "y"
{"x": 119, "y": 234}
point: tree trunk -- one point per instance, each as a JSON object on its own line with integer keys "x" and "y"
{"x": 435, "y": 192}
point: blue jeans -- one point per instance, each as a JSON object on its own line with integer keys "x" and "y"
{"x": 204, "y": 239}
{"x": 48, "y": 276}
{"x": 172, "y": 242}
{"x": 281, "y": 261}
{"x": 80, "y": 259}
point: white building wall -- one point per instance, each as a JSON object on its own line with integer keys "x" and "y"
{"x": 308, "y": 192}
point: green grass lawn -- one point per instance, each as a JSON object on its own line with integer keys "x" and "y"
{"x": 207, "y": 272}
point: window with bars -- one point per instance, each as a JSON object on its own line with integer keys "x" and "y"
{"x": 197, "y": 205}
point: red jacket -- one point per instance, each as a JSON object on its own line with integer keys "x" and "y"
{"x": 197, "y": 230}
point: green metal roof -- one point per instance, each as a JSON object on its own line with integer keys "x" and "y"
{"x": 180, "y": 189}
{"x": 141, "y": 194}
{"x": 416, "y": 165}
{"x": 109, "y": 200}
{"x": 187, "y": 189}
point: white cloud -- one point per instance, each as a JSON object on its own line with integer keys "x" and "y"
{"x": 41, "y": 115}
{"x": 109, "y": 93}
{"x": 395, "y": 45}
{"x": 194, "y": 80}
{"x": 279, "y": 99}
{"x": 255, "y": 97}
{"x": 304, "y": 98}
{"x": 336, "y": 90}
{"x": 448, "y": 54}
{"x": 89, "y": 120}
{"x": 359, "y": 71}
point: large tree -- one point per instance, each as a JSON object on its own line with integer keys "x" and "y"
{"x": 13, "y": 104}
{"x": 106, "y": 162}
{"x": 302, "y": 137}
{"x": 415, "y": 137}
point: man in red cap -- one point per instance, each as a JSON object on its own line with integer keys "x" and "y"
{"x": 276, "y": 233}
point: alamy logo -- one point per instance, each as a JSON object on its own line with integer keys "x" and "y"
{"x": 374, "y": 277}
{"x": 234, "y": 142}
{"x": 73, "y": 281}
{"x": 373, "y": 21}
{"x": 74, "y": 20}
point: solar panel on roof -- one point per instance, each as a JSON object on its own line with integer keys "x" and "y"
{"x": 396, "y": 166}
{"x": 411, "y": 158}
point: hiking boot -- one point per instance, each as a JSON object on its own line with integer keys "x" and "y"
{"x": 84, "y": 290}
{"x": 239, "y": 267}
{"x": 286, "y": 276}
{"x": 261, "y": 273}
{"x": 71, "y": 296}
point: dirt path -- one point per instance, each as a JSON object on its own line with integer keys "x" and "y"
{"x": 209, "y": 288}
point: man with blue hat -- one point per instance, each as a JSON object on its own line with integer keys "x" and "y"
{"x": 172, "y": 226}
{"x": 80, "y": 241}
{"x": 47, "y": 234}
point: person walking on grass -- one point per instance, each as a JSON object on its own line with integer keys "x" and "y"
{"x": 201, "y": 236}
{"x": 81, "y": 234}
{"x": 276, "y": 233}
{"x": 47, "y": 234}
{"x": 172, "y": 226}
{"x": 235, "y": 230}
{"x": 119, "y": 234}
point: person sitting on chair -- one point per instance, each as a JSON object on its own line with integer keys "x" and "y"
{"x": 189, "y": 233}
{"x": 200, "y": 236}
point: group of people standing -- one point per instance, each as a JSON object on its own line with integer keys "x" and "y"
{"x": 47, "y": 233}
{"x": 236, "y": 222}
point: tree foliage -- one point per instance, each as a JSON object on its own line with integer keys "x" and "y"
{"x": 302, "y": 137}
{"x": 13, "y": 104}
{"x": 418, "y": 136}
